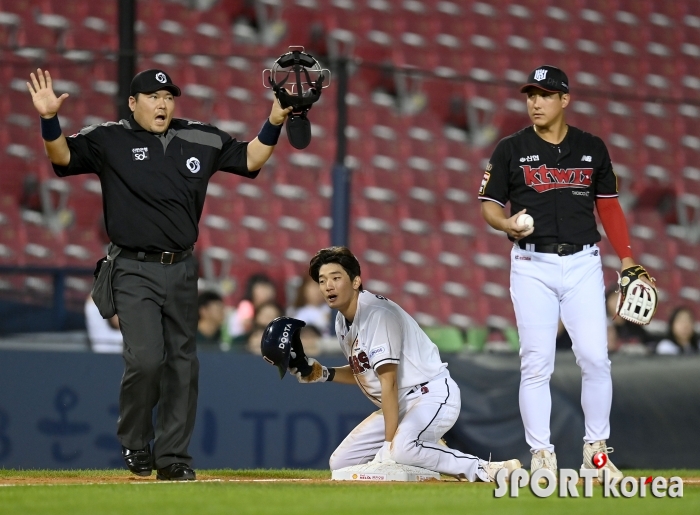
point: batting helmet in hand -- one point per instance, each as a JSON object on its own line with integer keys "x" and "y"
{"x": 276, "y": 343}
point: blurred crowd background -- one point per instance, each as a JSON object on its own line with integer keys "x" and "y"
{"x": 433, "y": 86}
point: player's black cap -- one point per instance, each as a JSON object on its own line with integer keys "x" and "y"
{"x": 149, "y": 81}
{"x": 547, "y": 78}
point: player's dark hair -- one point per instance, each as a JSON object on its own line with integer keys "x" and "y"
{"x": 339, "y": 255}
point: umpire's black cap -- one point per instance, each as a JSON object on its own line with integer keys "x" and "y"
{"x": 149, "y": 81}
{"x": 547, "y": 78}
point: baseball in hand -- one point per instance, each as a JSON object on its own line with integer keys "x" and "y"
{"x": 525, "y": 221}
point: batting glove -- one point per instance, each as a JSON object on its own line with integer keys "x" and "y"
{"x": 318, "y": 373}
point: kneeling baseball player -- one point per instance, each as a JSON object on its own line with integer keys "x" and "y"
{"x": 397, "y": 367}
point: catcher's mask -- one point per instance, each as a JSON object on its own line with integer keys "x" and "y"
{"x": 276, "y": 342}
{"x": 307, "y": 83}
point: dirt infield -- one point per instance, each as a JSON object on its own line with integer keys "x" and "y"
{"x": 126, "y": 478}
{"x": 48, "y": 478}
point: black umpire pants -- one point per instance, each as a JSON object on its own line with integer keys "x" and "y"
{"x": 157, "y": 309}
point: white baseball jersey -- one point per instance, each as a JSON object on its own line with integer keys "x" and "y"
{"x": 383, "y": 333}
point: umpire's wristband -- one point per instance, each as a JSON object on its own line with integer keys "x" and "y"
{"x": 269, "y": 133}
{"x": 50, "y": 128}
{"x": 331, "y": 374}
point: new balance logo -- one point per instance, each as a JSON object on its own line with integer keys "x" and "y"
{"x": 588, "y": 159}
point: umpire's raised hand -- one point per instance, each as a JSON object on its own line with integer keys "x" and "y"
{"x": 47, "y": 105}
{"x": 45, "y": 100}
{"x": 278, "y": 114}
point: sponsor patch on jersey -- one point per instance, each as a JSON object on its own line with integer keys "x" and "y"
{"x": 580, "y": 193}
{"x": 523, "y": 258}
{"x": 140, "y": 154}
{"x": 587, "y": 159}
{"x": 530, "y": 159}
{"x": 543, "y": 179}
{"x": 484, "y": 181}
{"x": 378, "y": 350}
{"x": 193, "y": 164}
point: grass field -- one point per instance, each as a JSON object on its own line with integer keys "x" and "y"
{"x": 304, "y": 492}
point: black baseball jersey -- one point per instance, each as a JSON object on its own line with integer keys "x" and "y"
{"x": 557, "y": 184}
{"x": 153, "y": 186}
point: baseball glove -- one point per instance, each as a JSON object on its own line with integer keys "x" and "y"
{"x": 636, "y": 299}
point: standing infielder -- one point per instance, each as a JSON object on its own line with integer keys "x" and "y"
{"x": 395, "y": 365}
{"x": 558, "y": 173}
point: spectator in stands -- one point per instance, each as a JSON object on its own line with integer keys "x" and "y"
{"x": 311, "y": 307}
{"x": 682, "y": 337}
{"x": 104, "y": 335}
{"x": 259, "y": 290}
{"x": 211, "y": 319}
{"x": 264, "y": 314}
{"x": 154, "y": 170}
{"x": 624, "y": 336}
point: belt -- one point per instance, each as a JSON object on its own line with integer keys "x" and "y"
{"x": 164, "y": 258}
{"x": 417, "y": 387}
{"x": 562, "y": 249}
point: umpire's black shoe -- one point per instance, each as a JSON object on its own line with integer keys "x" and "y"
{"x": 140, "y": 462}
{"x": 176, "y": 472}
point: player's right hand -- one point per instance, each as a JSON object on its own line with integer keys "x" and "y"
{"x": 318, "y": 374}
{"x": 514, "y": 230}
{"x": 45, "y": 101}
{"x": 384, "y": 454}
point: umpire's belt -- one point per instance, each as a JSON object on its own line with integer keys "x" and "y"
{"x": 164, "y": 258}
{"x": 562, "y": 249}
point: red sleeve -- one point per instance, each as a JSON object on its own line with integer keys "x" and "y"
{"x": 615, "y": 225}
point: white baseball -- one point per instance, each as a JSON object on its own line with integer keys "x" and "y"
{"x": 525, "y": 221}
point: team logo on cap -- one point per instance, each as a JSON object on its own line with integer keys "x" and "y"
{"x": 160, "y": 77}
{"x": 193, "y": 164}
{"x": 540, "y": 74}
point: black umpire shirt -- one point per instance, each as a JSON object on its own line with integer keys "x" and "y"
{"x": 153, "y": 186}
{"x": 557, "y": 184}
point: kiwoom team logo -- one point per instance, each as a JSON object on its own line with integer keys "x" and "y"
{"x": 193, "y": 164}
{"x": 568, "y": 479}
{"x": 543, "y": 179}
{"x": 160, "y": 77}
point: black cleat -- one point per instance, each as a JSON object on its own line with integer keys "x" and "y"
{"x": 176, "y": 472}
{"x": 140, "y": 462}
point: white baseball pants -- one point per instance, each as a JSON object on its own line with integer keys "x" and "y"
{"x": 545, "y": 287}
{"x": 424, "y": 417}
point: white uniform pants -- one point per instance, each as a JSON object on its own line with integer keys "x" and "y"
{"x": 545, "y": 287}
{"x": 424, "y": 417}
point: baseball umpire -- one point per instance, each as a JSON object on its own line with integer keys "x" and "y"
{"x": 154, "y": 171}
{"x": 395, "y": 365}
{"x": 558, "y": 174}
